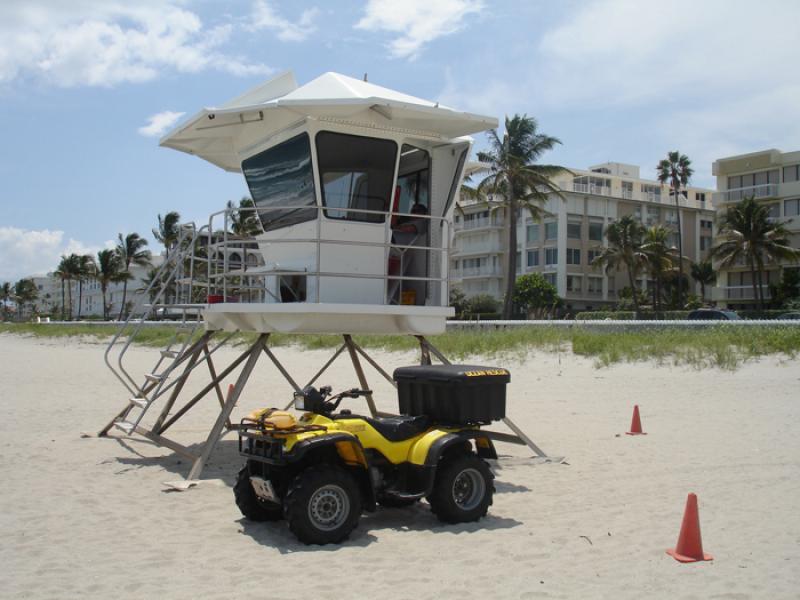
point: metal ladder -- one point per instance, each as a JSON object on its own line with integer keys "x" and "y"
{"x": 177, "y": 269}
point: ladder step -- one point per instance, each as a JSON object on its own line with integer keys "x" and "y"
{"x": 140, "y": 402}
{"x": 170, "y": 353}
{"x": 125, "y": 426}
{"x": 154, "y": 377}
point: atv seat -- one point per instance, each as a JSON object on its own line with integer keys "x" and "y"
{"x": 397, "y": 429}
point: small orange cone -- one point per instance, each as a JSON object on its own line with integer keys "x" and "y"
{"x": 636, "y": 423}
{"x": 690, "y": 543}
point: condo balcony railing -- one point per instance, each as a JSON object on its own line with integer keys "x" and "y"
{"x": 665, "y": 197}
{"x": 768, "y": 190}
{"x": 585, "y": 188}
{"x": 479, "y": 223}
{"x": 739, "y": 292}
{"x": 476, "y": 272}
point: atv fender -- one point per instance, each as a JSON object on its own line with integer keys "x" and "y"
{"x": 349, "y": 449}
{"x": 483, "y": 445}
{"x": 430, "y": 449}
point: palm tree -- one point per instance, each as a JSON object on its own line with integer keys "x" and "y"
{"x": 748, "y": 235}
{"x": 677, "y": 170}
{"x": 68, "y": 270}
{"x": 624, "y": 250}
{"x": 108, "y": 271}
{"x": 86, "y": 270}
{"x": 6, "y": 293}
{"x": 514, "y": 177}
{"x": 243, "y": 220}
{"x": 659, "y": 258}
{"x": 704, "y": 274}
{"x": 168, "y": 230}
{"x": 131, "y": 252}
{"x": 24, "y": 292}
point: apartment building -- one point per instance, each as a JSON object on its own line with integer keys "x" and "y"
{"x": 49, "y": 300}
{"x": 772, "y": 177}
{"x": 563, "y": 245}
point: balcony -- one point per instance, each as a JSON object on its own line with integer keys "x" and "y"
{"x": 769, "y": 190}
{"x": 738, "y": 292}
{"x": 481, "y": 223}
{"x": 465, "y": 273}
{"x": 585, "y": 188}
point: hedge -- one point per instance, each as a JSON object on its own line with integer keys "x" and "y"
{"x": 674, "y": 315}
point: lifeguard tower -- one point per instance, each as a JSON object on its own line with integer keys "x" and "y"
{"x": 353, "y": 187}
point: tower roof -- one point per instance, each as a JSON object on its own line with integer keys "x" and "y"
{"x": 218, "y": 134}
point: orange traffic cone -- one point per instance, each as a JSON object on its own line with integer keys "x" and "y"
{"x": 690, "y": 544}
{"x": 636, "y": 423}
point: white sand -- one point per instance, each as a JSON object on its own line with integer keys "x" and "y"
{"x": 90, "y": 517}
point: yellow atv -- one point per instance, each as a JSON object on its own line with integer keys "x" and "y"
{"x": 320, "y": 471}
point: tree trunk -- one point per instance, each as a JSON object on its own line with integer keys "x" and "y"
{"x": 760, "y": 288}
{"x": 80, "y": 297}
{"x": 124, "y": 294}
{"x": 69, "y": 298}
{"x": 680, "y": 249}
{"x": 63, "y": 303}
{"x": 703, "y": 292}
{"x": 511, "y": 275}
{"x": 634, "y": 295}
{"x": 753, "y": 277}
{"x": 105, "y": 306}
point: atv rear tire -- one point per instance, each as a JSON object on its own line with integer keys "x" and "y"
{"x": 250, "y": 504}
{"x": 323, "y": 505}
{"x": 463, "y": 489}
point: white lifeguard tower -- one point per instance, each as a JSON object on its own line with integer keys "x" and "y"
{"x": 353, "y": 188}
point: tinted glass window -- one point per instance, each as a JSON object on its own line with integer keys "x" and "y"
{"x": 281, "y": 183}
{"x": 356, "y": 174}
{"x": 412, "y": 179}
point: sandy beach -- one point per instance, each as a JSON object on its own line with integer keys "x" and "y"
{"x": 90, "y": 518}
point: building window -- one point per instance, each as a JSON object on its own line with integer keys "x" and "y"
{"x": 774, "y": 210}
{"x": 592, "y": 254}
{"x": 653, "y": 215}
{"x": 705, "y": 242}
{"x": 532, "y": 233}
{"x": 551, "y": 256}
{"x": 574, "y": 283}
{"x": 573, "y": 256}
{"x": 574, "y": 230}
{"x": 533, "y": 258}
{"x": 651, "y": 192}
{"x": 627, "y": 189}
{"x": 550, "y": 278}
{"x": 551, "y": 230}
{"x": 705, "y": 224}
{"x": 791, "y": 173}
{"x": 791, "y": 208}
{"x": 595, "y": 285}
{"x": 700, "y": 196}
{"x": 595, "y": 231}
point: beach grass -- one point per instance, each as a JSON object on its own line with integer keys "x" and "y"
{"x": 719, "y": 346}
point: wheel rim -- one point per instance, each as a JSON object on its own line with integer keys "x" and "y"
{"x": 468, "y": 489}
{"x": 328, "y": 507}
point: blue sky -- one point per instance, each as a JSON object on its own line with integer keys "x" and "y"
{"x": 87, "y": 86}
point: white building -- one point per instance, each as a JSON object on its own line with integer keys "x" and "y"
{"x": 773, "y": 178}
{"x": 564, "y": 244}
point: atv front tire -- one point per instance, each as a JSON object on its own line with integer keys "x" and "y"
{"x": 463, "y": 489}
{"x": 323, "y": 505}
{"x": 250, "y": 504}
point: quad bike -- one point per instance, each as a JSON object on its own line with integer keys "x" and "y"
{"x": 319, "y": 472}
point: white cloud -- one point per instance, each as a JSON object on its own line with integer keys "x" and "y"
{"x": 265, "y": 17}
{"x": 619, "y": 52}
{"x": 158, "y": 123}
{"x": 25, "y": 252}
{"x": 417, "y": 21}
{"x": 106, "y": 43}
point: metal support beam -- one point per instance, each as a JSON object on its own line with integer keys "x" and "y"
{"x": 198, "y": 348}
{"x": 233, "y": 397}
{"x": 362, "y": 379}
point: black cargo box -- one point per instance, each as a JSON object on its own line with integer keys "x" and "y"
{"x": 457, "y": 394}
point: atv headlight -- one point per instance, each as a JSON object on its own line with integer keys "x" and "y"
{"x": 299, "y": 401}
